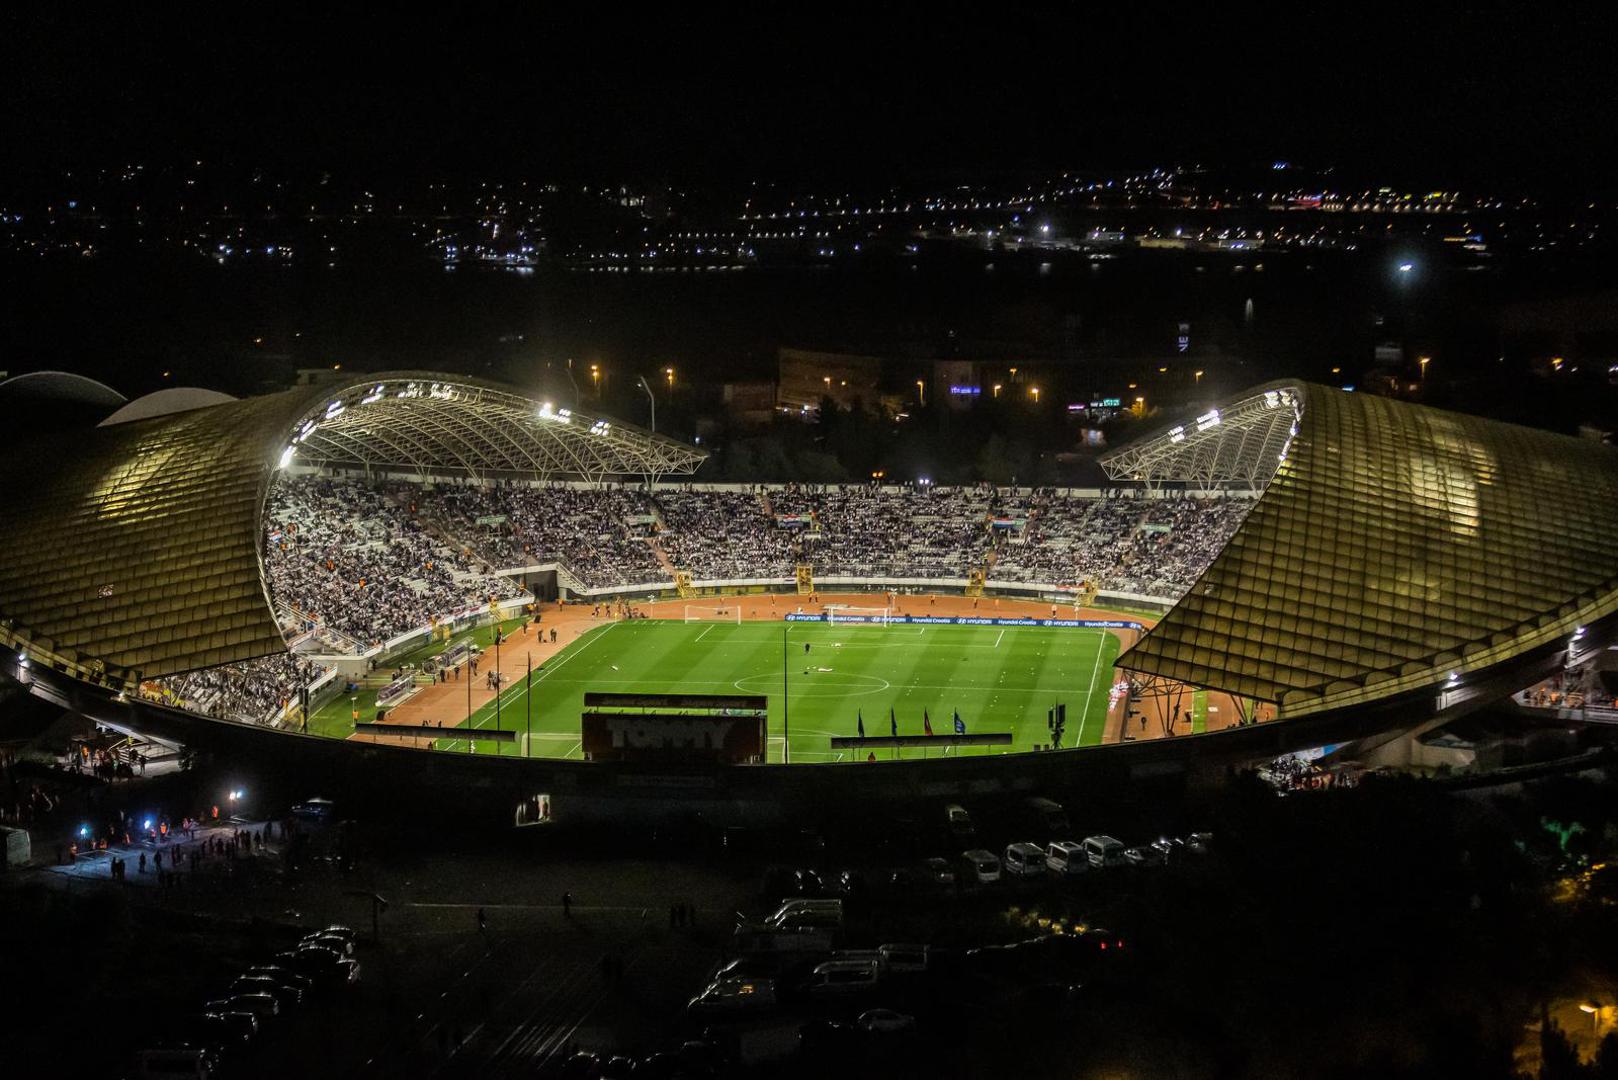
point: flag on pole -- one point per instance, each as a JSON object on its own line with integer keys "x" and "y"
{"x": 960, "y": 725}
{"x": 862, "y": 723}
{"x": 926, "y": 722}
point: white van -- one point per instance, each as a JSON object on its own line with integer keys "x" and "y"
{"x": 1104, "y": 851}
{"x": 1067, "y": 858}
{"x": 807, "y": 915}
{"x": 1024, "y": 860}
{"x": 980, "y": 867}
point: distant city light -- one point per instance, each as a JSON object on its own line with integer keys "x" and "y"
{"x": 1405, "y": 268}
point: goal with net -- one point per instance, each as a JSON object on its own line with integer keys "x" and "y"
{"x": 713, "y": 613}
{"x": 848, "y": 613}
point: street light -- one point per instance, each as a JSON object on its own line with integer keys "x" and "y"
{"x": 649, "y": 397}
{"x": 1424, "y": 361}
{"x": 921, "y": 392}
{"x": 670, "y": 373}
{"x": 996, "y": 389}
{"x": 1035, "y": 392}
{"x": 595, "y": 378}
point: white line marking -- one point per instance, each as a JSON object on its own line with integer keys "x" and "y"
{"x": 1101, "y": 647}
{"x": 998, "y": 636}
{"x": 543, "y": 675}
{"x": 704, "y": 633}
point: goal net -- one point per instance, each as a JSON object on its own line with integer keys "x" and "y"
{"x": 849, "y": 613}
{"x": 713, "y": 613}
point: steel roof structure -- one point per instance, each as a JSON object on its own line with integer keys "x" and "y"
{"x": 1395, "y": 548}
{"x": 428, "y": 424}
{"x": 1238, "y": 444}
{"x": 133, "y": 550}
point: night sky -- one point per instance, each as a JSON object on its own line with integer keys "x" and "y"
{"x": 1469, "y": 95}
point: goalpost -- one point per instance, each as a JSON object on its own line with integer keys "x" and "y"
{"x": 713, "y": 613}
{"x": 850, "y": 613}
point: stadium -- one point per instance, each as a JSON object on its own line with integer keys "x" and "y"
{"x": 421, "y": 582}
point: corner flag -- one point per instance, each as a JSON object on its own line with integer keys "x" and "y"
{"x": 862, "y": 723}
{"x": 926, "y": 722}
{"x": 960, "y": 725}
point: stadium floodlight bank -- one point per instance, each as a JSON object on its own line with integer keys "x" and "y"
{"x": 713, "y": 613}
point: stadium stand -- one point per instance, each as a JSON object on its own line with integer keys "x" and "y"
{"x": 257, "y": 691}
{"x": 586, "y": 530}
{"x": 356, "y": 558}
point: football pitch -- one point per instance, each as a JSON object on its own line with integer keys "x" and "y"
{"x": 1000, "y": 679}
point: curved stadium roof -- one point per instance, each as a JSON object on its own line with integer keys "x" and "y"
{"x": 1395, "y": 545}
{"x": 132, "y": 551}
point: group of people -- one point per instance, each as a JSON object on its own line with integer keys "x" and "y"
{"x": 359, "y": 559}
{"x": 620, "y": 537}
{"x": 255, "y": 691}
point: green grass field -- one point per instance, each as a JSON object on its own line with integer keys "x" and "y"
{"x": 1001, "y": 680}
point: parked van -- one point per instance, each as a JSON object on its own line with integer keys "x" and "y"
{"x": 836, "y": 978}
{"x": 1024, "y": 860}
{"x": 1067, "y": 858}
{"x": 807, "y": 915}
{"x": 1104, "y": 851}
{"x": 979, "y": 867}
{"x": 959, "y": 823}
{"x": 904, "y": 959}
{"x": 1044, "y": 817}
{"x": 758, "y": 940}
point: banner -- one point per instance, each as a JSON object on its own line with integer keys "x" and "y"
{"x": 971, "y": 620}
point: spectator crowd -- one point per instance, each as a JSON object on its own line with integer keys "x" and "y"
{"x": 365, "y": 563}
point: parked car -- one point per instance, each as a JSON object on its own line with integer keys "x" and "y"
{"x": 337, "y": 943}
{"x": 321, "y": 966}
{"x": 1067, "y": 858}
{"x": 316, "y": 809}
{"x": 1104, "y": 851}
{"x": 284, "y": 976}
{"x": 1198, "y": 842}
{"x": 289, "y": 997}
{"x": 1024, "y": 859}
{"x": 263, "y": 1006}
{"x": 1168, "y": 847}
{"x": 733, "y": 997}
{"x": 937, "y": 871}
{"x": 1143, "y": 856}
{"x": 230, "y": 1032}
{"x": 886, "y": 1022}
{"x": 980, "y": 867}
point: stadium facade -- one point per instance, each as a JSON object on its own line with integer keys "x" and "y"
{"x": 1403, "y": 565}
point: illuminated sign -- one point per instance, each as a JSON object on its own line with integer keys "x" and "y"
{"x": 1107, "y": 403}
{"x": 966, "y": 390}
